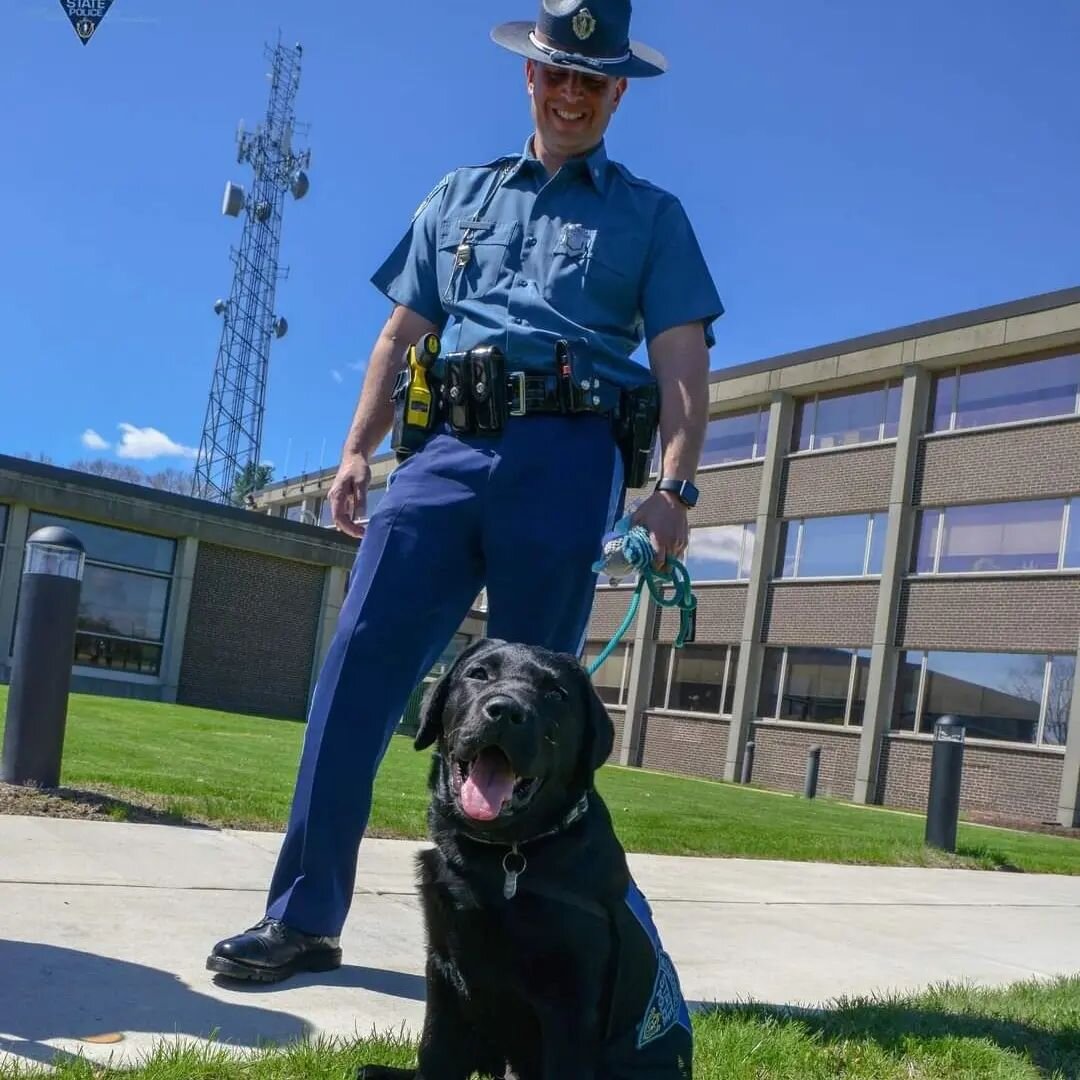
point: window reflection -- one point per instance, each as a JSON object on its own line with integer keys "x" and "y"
{"x": 702, "y": 678}
{"x": 816, "y": 685}
{"x": 992, "y": 537}
{"x": 846, "y": 545}
{"x": 1007, "y": 393}
{"x": 720, "y": 552}
{"x": 1011, "y": 697}
{"x": 847, "y": 418}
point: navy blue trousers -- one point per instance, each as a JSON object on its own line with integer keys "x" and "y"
{"x": 522, "y": 513}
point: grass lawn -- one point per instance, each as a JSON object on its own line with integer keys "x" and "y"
{"x": 231, "y": 770}
{"x": 1030, "y": 1031}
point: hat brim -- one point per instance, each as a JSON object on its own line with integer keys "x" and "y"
{"x": 642, "y": 63}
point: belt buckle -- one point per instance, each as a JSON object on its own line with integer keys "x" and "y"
{"x": 517, "y": 402}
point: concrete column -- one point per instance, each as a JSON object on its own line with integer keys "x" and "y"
{"x": 884, "y": 657}
{"x": 333, "y": 597}
{"x": 767, "y": 537}
{"x": 639, "y": 681}
{"x": 10, "y": 576}
{"x": 187, "y": 555}
{"x": 1069, "y": 802}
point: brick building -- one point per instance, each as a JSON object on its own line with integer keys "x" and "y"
{"x": 182, "y": 600}
{"x": 889, "y": 531}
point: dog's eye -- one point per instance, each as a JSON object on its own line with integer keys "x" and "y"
{"x": 477, "y": 672}
{"x": 557, "y": 693}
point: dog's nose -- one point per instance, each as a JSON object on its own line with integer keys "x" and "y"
{"x": 504, "y": 708}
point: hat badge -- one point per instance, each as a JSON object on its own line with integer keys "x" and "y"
{"x": 584, "y": 24}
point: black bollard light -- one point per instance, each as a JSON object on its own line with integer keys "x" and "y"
{"x": 748, "y": 763}
{"x": 44, "y": 652}
{"x": 946, "y": 770}
{"x": 813, "y": 765}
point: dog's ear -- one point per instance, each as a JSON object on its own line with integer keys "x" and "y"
{"x": 598, "y": 732}
{"x": 434, "y": 702}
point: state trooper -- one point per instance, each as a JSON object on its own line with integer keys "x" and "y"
{"x": 555, "y": 244}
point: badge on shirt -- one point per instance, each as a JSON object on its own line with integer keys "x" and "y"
{"x": 575, "y": 241}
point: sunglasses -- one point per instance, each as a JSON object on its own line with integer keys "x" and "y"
{"x": 559, "y": 76}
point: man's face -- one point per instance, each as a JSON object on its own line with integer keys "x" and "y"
{"x": 571, "y": 110}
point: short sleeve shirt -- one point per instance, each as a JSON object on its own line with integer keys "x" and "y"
{"x": 501, "y": 254}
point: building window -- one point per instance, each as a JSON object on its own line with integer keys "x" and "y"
{"x": 1007, "y": 393}
{"x": 1010, "y": 697}
{"x": 730, "y": 439}
{"x": 695, "y": 678}
{"x": 610, "y": 678}
{"x": 1042, "y": 534}
{"x": 740, "y": 437}
{"x": 848, "y": 545}
{"x": 826, "y": 421}
{"x": 814, "y": 685}
{"x": 720, "y": 552}
{"x": 124, "y": 600}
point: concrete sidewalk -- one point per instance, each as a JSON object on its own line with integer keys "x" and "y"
{"x": 105, "y": 929}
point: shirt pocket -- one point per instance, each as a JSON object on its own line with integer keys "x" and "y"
{"x": 594, "y": 278}
{"x": 472, "y": 255}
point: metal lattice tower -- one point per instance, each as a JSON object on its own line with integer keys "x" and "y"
{"x": 232, "y": 432}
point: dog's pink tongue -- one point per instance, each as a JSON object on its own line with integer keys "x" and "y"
{"x": 489, "y": 784}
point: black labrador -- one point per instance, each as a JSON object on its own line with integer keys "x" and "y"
{"x": 543, "y": 961}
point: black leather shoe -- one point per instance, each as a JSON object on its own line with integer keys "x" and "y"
{"x": 271, "y": 951}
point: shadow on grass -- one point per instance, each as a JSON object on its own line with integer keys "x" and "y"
{"x": 989, "y": 857}
{"x": 89, "y": 805}
{"x": 893, "y": 1026}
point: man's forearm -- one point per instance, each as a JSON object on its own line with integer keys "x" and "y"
{"x": 374, "y": 414}
{"x": 680, "y": 361}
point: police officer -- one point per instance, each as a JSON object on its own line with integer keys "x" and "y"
{"x": 557, "y": 243}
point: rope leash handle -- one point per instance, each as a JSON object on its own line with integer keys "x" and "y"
{"x": 628, "y": 548}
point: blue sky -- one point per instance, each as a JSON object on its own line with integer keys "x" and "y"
{"x": 848, "y": 166}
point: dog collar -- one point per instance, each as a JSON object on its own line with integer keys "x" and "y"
{"x": 514, "y": 862}
{"x": 577, "y": 812}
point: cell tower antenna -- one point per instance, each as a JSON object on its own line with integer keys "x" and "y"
{"x": 232, "y": 432}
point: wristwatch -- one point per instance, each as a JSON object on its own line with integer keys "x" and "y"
{"x": 683, "y": 490}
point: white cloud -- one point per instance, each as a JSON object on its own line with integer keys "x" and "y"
{"x": 93, "y": 441}
{"x": 143, "y": 444}
{"x": 336, "y": 375}
{"x": 357, "y": 365}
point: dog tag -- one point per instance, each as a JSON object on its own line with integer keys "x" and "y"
{"x": 512, "y": 873}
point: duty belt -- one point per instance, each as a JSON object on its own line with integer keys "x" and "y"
{"x": 478, "y": 389}
{"x": 475, "y": 392}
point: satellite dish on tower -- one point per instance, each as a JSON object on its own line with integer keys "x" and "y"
{"x": 300, "y": 184}
{"x": 233, "y": 202}
{"x": 281, "y": 327}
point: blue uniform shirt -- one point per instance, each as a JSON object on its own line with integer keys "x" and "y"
{"x": 500, "y": 254}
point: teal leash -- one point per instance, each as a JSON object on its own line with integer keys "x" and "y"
{"x": 629, "y": 549}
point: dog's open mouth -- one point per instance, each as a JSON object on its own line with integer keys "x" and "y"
{"x": 487, "y": 786}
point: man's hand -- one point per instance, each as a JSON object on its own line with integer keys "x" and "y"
{"x": 348, "y": 494}
{"x": 665, "y": 518}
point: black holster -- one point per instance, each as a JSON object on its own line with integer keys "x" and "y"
{"x": 635, "y": 431}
